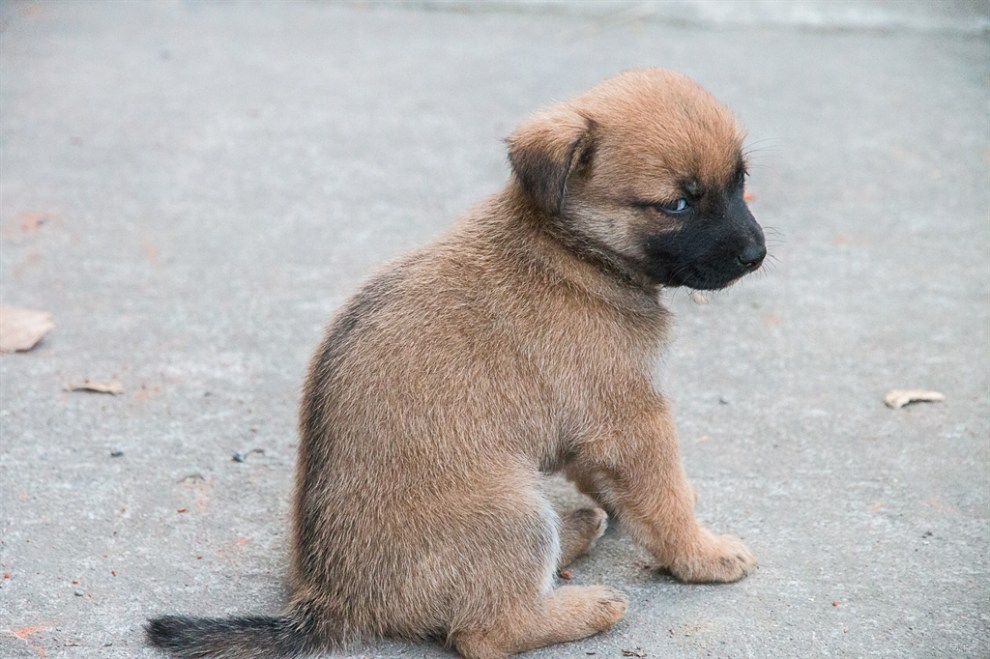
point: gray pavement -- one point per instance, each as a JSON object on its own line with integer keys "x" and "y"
{"x": 192, "y": 189}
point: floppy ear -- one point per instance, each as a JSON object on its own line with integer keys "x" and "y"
{"x": 546, "y": 150}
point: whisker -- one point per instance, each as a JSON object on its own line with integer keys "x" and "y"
{"x": 761, "y": 146}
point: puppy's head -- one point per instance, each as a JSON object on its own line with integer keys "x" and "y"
{"x": 647, "y": 169}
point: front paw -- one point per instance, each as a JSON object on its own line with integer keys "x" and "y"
{"x": 713, "y": 559}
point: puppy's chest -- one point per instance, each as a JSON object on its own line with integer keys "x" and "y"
{"x": 599, "y": 364}
{"x": 594, "y": 347}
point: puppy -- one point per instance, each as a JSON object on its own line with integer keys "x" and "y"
{"x": 519, "y": 344}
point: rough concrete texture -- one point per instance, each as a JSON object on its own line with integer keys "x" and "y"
{"x": 192, "y": 189}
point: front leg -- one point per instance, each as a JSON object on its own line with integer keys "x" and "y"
{"x": 638, "y": 476}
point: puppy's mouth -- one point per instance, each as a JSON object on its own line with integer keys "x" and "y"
{"x": 706, "y": 283}
{"x": 711, "y": 277}
{"x": 704, "y": 260}
{"x": 711, "y": 281}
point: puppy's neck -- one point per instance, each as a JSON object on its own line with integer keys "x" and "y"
{"x": 578, "y": 256}
{"x": 571, "y": 256}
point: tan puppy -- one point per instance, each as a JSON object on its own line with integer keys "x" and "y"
{"x": 521, "y": 343}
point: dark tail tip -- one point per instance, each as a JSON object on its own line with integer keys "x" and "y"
{"x": 167, "y": 632}
{"x": 230, "y": 638}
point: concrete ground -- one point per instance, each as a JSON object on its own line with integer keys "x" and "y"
{"x": 191, "y": 189}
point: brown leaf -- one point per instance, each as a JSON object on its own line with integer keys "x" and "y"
{"x": 112, "y": 387}
{"x": 21, "y": 329}
{"x": 898, "y": 398}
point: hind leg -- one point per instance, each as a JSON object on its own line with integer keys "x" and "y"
{"x": 509, "y": 605}
{"x": 567, "y": 614}
{"x": 579, "y": 530}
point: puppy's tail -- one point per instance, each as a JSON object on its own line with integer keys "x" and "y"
{"x": 292, "y": 635}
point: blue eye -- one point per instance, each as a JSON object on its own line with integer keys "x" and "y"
{"x": 674, "y": 207}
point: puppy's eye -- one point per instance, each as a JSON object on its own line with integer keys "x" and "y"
{"x": 675, "y": 207}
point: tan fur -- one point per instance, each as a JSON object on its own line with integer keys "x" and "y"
{"x": 516, "y": 345}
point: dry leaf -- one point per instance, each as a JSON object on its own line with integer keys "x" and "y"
{"x": 112, "y": 387}
{"x": 698, "y": 297}
{"x": 21, "y": 329}
{"x": 898, "y": 398}
{"x": 638, "y": 652}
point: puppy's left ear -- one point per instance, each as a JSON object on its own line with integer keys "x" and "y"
{"x": 547, "y": 150}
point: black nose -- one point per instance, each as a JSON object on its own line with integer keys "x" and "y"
{"x": 752, "y": 256}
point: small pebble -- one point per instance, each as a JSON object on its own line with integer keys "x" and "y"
{"x": 78, "y": 593}
{"x": 116, "y": 452}
{"x": 239, "y": 457}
